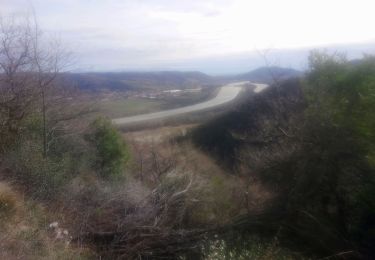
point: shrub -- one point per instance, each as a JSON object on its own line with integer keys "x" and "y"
{"x": 111, "y": 150}
{"x": 43, "y": 177}
{"x": 333, "y": 175}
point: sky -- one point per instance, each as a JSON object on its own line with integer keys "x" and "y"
{"x": 213, "y": 36}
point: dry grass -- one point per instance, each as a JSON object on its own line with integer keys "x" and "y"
{"x": 25, "y": 231}
{"x": 173, "y": 186}
{"x": 157, "y": 135}
{"x": 9, "y": 203}
{"x": 217, "y": 195}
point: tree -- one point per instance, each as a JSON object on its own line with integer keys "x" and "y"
{"x": 18, "y": 92}
{"x": 112, "y": 153}
{"x": 342, "y": 93}
{"x": 31, "y": 82}
{"x": 333, "y": 172}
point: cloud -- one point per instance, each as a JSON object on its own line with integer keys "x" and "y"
{"x": 157, "y": 32}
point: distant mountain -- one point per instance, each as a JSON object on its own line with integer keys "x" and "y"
{"x": 268, "y": 74}
{"x": 172, "y": 79}
{"x": 140, "y": 80}
{"x": 96, "y": 82}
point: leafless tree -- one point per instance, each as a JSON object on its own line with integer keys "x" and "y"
{"x": 31, "y": 80}
{"x": 49, "y": 59}
{"x": 18, "y": 91}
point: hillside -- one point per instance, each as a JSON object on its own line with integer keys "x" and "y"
{"x": 312, "y": 143}
{"x": 172, "y": 79}
{"x": 269, "y": 74}
{"x": 251, "y": 125}
{"x": 140, "y": 80}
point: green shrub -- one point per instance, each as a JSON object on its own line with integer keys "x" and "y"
{"x": 43, "y": 177}
{"x": 111, "y": 150}
{"x": 333, "y": 171}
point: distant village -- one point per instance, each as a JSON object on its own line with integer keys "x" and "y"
{"x": 149, "y": 94}
{"x": 155, "y": 94}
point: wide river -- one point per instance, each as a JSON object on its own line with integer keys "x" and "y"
{"x": 226, "y": 93}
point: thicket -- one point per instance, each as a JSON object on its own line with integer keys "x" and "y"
{"x": 45, "y": 138}
{"x": 312, "y": 140}
{"x": 334, "y": 173}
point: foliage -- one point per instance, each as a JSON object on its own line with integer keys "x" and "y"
{"x": 318, "y": 153}
{"x": 253, "y": 124}
{"x": 111, "y": 150}
{"x": 342, "y": 94}
{"x": 206, "y": 137}
{"x": 333, "y": 173}
{"x": 43, "y": 177}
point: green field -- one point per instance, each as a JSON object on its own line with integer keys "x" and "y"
{"x": 121, "y": 107}
{"x": 130, "y": 106}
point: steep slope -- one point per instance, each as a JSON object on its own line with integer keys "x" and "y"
{"x": 255, "y": 124}
{"x": 313, "y": 148}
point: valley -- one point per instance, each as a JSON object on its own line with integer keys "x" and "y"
{"x": 186, "y": 130}
{"x": 225, "y": 94}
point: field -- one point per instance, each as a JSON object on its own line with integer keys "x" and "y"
{"x": 120, "y": 106}
{"x": 130, "y": 106}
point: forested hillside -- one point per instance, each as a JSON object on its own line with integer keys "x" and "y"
{"x": 269, "y": 74}
{"x": 312, "y": 140}
{"x": 125, "y": 81}
{"x": 140, "y": 80}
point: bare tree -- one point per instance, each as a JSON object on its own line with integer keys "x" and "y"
{"x": 31, "y": 80}
{"x": 49, "y": 59}
{"x": 17, "y": 80}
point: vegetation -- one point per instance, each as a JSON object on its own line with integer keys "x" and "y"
{"x": 111, "y": 151}
{"x": 129, "y": 106}
{"x": 43, "y": 147}
{"x": 164, "y": 80}
{"x": 316, "y": 148}
{"x": 269, "y": 74}
{"x": 115, "y": 107}
{"x": 140, "y": 80}
{"x": 340, "y": 137}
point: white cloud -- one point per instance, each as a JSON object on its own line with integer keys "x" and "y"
{"x": 163, "y": 31}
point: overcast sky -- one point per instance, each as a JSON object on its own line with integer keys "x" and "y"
{"x": 215, "y": 36}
